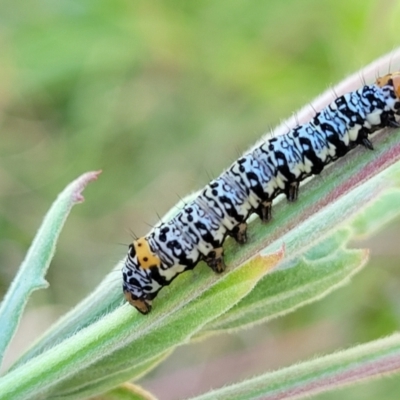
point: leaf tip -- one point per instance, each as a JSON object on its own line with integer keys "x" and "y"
{"x": 81, "y": 183}
{"x": 269, "y": 261}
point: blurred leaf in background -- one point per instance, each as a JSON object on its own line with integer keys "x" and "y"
{"x": 162, "y": 96}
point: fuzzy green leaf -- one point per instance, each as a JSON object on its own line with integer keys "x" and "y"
{"x": 123, "y": 338}
{"x": 297, "y": 282}
{"x": 30, "y": 276}
{"x": 371, "y": 360}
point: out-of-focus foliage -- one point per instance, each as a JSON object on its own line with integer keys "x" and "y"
{"x": 162, "y": 95}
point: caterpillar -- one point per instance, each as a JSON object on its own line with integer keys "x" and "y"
{"x": 276, "y": 166}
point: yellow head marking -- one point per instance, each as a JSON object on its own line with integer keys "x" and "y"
{"x": 388, "y": 79}
{"x": 144, "y": 254}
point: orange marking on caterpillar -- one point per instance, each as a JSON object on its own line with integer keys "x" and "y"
{"x": 145, "y": 256}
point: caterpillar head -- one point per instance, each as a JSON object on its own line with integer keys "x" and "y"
{"x": 392, "y": 79}
{"x": 138, "y": 285}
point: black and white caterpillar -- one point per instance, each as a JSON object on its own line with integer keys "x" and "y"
{"x": 275, "y": 166}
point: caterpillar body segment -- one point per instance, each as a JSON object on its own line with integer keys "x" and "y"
{"x": 276, "y": 166}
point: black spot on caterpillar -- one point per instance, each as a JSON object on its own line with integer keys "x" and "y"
{"x": 275, "y": 166}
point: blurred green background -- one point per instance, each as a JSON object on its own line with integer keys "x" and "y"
{"x": 163, "y": 95}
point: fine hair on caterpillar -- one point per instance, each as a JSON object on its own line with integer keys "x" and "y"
{"x": 276, "y": 165}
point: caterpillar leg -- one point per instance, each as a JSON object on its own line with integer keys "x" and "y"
{"x": 366, "y": 143}
{"x": 142, "y": 305}
{"x": 389, "y": 120}
{"x": 362, "y": 137}
{"x": 239, "y": 233}
{"x": 292, "y": 191}
{"x": 215, "y": 260}
{"x": 264, "y": 211}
